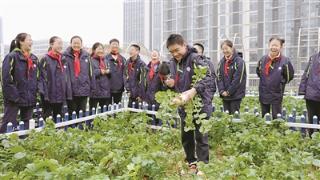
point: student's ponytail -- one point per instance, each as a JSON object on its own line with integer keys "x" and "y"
{"x": 13, "y": 45}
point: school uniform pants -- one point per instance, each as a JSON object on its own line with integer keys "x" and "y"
{"x": 130, "y": 103}
{"x": 313, "y": 108}
{"x": 76, "y": 104}
{"x": 93, "y": 103}
{"x": 276, "y": 109}
{"x": 51, "y": 109}
{"x": 116, "y": 97}
{"x": 195, "y": 144}
{"x": 10, "y": 115}
{"x": 232, "y": 105}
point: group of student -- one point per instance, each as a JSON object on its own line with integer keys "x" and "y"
{"x": 69, "y": 77}
{"x": 74, "y": 75}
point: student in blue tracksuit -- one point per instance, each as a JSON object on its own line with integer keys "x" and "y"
{"x": 135, "y": 71}
{"x": 80, "y": 73}
{"x": 19, "y": 81}
{"x": 231, "y": 78}
{"x": 209, "y": 91}
{"x": 54, "y": 85}
{"x": 117, "y": 73}
{"x": 275, "y": 71}
{"x": 100, "y": 92}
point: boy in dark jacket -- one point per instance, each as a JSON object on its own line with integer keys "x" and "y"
{"x": 135, "y": 71}
{"x": 117, "y": 74}
{"x": 210, "y": 90}
{"x": 185, "y": 58}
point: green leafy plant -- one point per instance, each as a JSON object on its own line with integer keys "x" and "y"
{"x": 192, "y": 108}
{"x": 167, "y": 111}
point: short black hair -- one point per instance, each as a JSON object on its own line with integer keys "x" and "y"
{"x": 114, "y": 40}
{"x": 200, "y": 45}
{"x": 175, "y": 39}
{"x": 75, "y": 37}
{"x": 164, "y": 68}
{"x": 135, "y": 46}
{"x": 227, "y": 42}
{"x": 281, "y": 40}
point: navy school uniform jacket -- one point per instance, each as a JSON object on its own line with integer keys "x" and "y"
{"x": 54, "y": 85}
{"x": 100, "y": 83}
{"x": 235, "y": 82}
{"x": 80, "y": 85}
{"x": 135, "y": 71}
{"x": 117, "y": 73}
{"x": 152, "y": 86}
{"x": 19, "y": 86}
{"x": 271, "y": 87}
{"x": 310, "y": 80}
{"x": 182, "y": 74}
{"x": 210, "y": 91}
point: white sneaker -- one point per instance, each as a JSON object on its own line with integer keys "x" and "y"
{"x": 193, "y": 169}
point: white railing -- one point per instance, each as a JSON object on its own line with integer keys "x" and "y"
{"x": 65, "y": 123}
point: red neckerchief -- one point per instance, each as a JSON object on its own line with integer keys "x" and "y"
{"x": 269, "y": 62}
{"x": 29, "y": 63}
{"x": 227, "y": 65}
{"x": 162, "y": 77}
{"x": 152, "y": 69}
{"x": 76, "y": 63}
{"x": 102, "y": 65}
{"x": 57, "y": 57}
{"x": 119, "y": 59}
{"x": 177, "y": 77}
{"x": 131, "y": 66}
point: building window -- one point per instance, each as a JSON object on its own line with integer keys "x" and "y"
{"x": 253, "y": 56}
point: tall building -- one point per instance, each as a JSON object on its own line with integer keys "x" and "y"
{"x": 249, "y": 24}
{"x": 137, "y": 21}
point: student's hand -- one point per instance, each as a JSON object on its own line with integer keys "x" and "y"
{"x": 139, "y": 99}
{"x": 178, "y": 101}
{"x": 225, "y": 93}
{"x": 189, "y": 94}
{"x": 184, "y": 97}
{"x": 169, "y": 82}
{"x": 103, "y": 71}
{"x": 108, "y": 71}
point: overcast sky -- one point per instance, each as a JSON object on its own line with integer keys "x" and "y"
{"x": 93, "y": 20}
